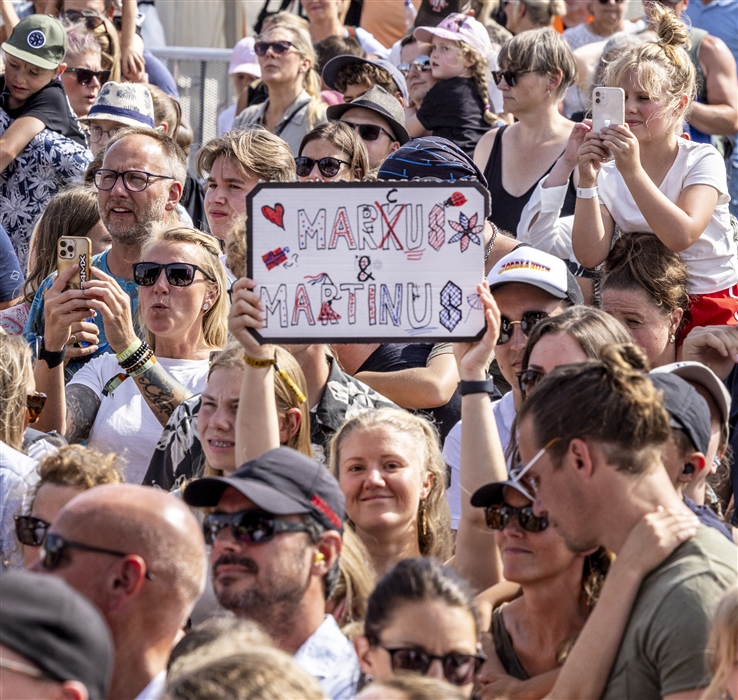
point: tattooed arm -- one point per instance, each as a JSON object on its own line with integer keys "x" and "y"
{"x": 82, "y": 406}
{"x": 162, "y": 393}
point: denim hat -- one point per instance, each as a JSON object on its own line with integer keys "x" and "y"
{"x": 430, "y": 156}
{"x": 38, "y": 39}
{"x": 333, "y": 68}
{"x": 378, "y": 100}
{"x": 125, "y": 103}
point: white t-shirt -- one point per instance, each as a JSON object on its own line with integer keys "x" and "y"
{"x": 504, "y": 412}
{"x": 711, "y": 260}
{"x": 125, "y": 425}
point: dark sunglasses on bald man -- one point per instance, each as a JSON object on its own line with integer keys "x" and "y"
{"x": 178, "y": 274}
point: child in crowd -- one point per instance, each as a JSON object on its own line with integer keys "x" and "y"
{"x": 457, "y": 108}
{"x": 649, "y": 178}
{"x": 32, "y": 100}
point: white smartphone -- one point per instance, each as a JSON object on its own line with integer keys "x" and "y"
{"x": 608, "y": 107}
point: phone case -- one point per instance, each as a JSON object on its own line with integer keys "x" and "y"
{"x": 608, "y": 107}
{"x": 71, "y": 250}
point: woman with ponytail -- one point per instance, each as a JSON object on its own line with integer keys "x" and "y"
{"x": 287, "y": 61}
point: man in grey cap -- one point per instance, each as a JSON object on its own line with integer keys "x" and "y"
{"x": 53, "y": 643}
{"x": 378, "y": 118}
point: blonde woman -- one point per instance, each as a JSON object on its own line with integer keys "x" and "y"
{"x": 119, "y": 402}
{"x": 287, "y": 60}
{"x": 724, "y": 648}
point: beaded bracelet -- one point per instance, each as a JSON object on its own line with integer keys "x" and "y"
{"x": 130, "y": 350}
{"x": 145, "y": 368}
{"x": 140, "y": 363}
{"x": 136, "y": 357}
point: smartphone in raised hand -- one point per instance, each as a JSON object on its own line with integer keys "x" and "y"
{"x": 71, "y": 250}
{"x": 608, "y": 107}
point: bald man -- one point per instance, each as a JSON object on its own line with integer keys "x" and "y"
{"x": 138, "y": 554}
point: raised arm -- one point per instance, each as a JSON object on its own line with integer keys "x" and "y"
{"x": 482, "y": 459}
{"x": 131, "y": 58}
{"x": 588, "y": 665}
{"x": 16, "y": 137}
{"x": 257, "y": 420}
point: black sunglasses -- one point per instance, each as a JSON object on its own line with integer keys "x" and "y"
{"x": 369, "y": 132}
{"x": 617, "y": 2}
{"x": 85, "y": 75}
{"x": 277, "y": 47}
{"x": 53, "y": 547}
{"x": 252, "y": 526}
{"x": 35, "y": 403}
{"x": 29, "y": 530}
{"x": 178, "y": 274}
{"x": 510, "y": 76}
{"x": 498, "y": 517}
{"x": 529, "y": 321}
{"x": 328, "y": 166}
{"x": 458, "y": 669}
{"x": 421, "y": 64}
{"x": 528, "y": 378}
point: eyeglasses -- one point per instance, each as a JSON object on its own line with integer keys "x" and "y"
{"x": 178, "y": 274}
{"x": 23, "y": 669}
{"x": 96, "y": 133}
{"x": 421, "y": 64}
{"x": 133, "y": 180}
{"x": 252, "y": 526}
{"x": 458, "y": 669}
{"x": 85, "y": 75}
{"x": 527, "y": 324}
{"x": 327, "y": 166}
{"x": 528, "y": 378}
{"x": 52, "y": 552}
{"x": 29, "y": 530}
{"x": 498, "y": 517}
{"x": 277, "y": 47}
{"x": 35, "y": 403}
{"x": 510, "y": 76}
{"x": 369, "y": 132}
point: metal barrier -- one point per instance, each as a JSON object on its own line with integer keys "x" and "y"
{"x": 205, "y": 88}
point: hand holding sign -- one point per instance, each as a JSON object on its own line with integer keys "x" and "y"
{"x": 247, "y": 312}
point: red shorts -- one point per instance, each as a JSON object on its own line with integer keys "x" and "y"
{"x": 716, "y": 309}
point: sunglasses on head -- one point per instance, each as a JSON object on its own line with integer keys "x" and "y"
{"x": 277, "y": 47}
{"x": 92, "y": 18}
{"x": 178, "y": 274}
{"x": 617, "y": 2}
{"x": 35, "y": 403}
{"x": 421, "y": 64}
{"x": 327, "y": 166}
{"x": 458, "y": 669}
{"x": 528, "y": 378}
{"x": 510, "y": 76}
{"x": 498, "y": 517}
{"x": 29, "y": 530}
{"x": 85, "y": 75}
{"x": 529, "y": 321}
{"x": 252, "y": 526}
{"x": 54, "y": 546}
{"x": 369, "y": 132}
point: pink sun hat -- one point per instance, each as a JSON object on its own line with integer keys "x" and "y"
{"x": 458, "y": 27}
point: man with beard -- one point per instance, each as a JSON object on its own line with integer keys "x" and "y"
{"x": 159, "y": 167}
{"x": 275, "y": 533}
{"x": 137, "y": 554}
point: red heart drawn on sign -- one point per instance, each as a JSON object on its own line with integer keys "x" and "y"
{"x": 274, "y": 214}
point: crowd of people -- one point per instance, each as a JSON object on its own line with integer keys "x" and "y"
{"x": 548, "y": 511}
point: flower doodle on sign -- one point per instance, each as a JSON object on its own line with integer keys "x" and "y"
{"x": 466, "y": 231}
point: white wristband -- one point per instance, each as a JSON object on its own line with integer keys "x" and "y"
{"x": 586, "y": 192}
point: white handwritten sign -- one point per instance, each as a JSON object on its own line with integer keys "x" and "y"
{"x": 367, "y": 262}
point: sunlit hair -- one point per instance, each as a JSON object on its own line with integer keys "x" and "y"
{"x": 436, "y": 542}
{"x": 542, "y": 12}
{"x": 541, "y": 50}
{"x": 15, "y": 371}
{"x": 312, "y": 82}
{"x": 640, "y": 261}
{"x": 166, "y": 109}
{"x": 81, "y": 44}
{"x": 284, "y": 18}
{"x": 232, "y": 358}
{"x": 215, "y": 319}
{"x": 71, "y": 212}
{"x": 343, "y": 137}
{"x": 413, "y": 686}
{"x": 257, "y": 152}
{"x": 105, "y": 35}
{"x": 611, "y": 401}
{"x": 723, "y": 645}
{"x": 663, "y": 69}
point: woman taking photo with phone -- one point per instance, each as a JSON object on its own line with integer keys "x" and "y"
{"x": 120, "y": 402}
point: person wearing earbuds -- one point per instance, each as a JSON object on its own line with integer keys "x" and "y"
{"x": 275, "y": 528}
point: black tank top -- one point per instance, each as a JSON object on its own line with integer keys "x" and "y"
{"x": 504, "y": 646}
{"x": 506, "y": 209}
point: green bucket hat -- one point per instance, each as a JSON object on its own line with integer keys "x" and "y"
{"x": 38, "y": 39}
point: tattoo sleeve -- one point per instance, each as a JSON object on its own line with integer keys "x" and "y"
{"x": 162, "y": 393}
{"x": 82, "y": 407}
